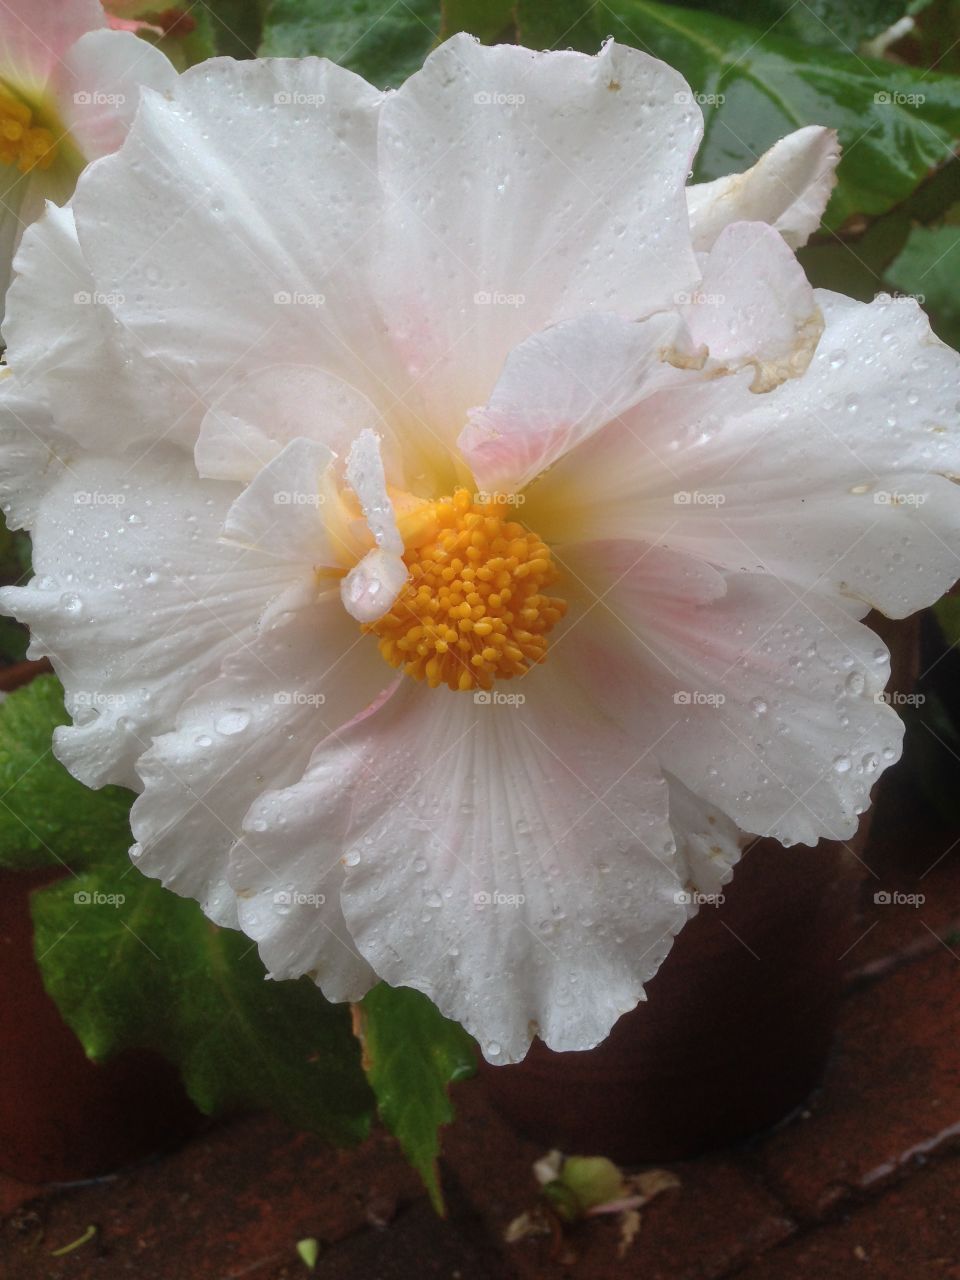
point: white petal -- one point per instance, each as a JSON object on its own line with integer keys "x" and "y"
{"x": 561, "y": 386}
{"x": 100, "y": 81}
{"x": 136, "y": 600}
{"x": 234, "y": 222}
{"x": 288, "y": 895}
{"x": 372, "y": 585}
{"x": 838, "y": 481}
{"x": 763, "y": 704}
{"x": 708, "y": 843}
{"x": 511, "y": 860}
{"x": 788, "y": 188}
{"x": 32, "y": 454}
{"x": 250, "y": 729}
{"x": 754, "y": 306}
{"x": 525, "y": 188}
{"x": 34, "y": 37}
{"x": 280, "y": 513}
{"x": 366, "y": 477}
{"x": 67, "y": 349}
{"x": 257, "y": 416}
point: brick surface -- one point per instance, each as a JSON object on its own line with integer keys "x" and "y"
{"x": 718, "y": 1217}
{"x": 911, "y": 1233}
{"x": 233, "y": 1202}
{"x": 891, "y": 1094}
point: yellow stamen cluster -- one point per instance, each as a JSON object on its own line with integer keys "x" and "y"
{"x": 23, "y": 143}
{"x": 474, "y": 609}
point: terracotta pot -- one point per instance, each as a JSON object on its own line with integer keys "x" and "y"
{"x": 735, "y": 1031}
{"x": 62, "y": 1116}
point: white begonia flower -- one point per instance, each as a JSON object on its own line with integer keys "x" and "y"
{"x": 457, "y": 551}
{"x": 68, "y": 91}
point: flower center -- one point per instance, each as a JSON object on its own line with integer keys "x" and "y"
{"x": 23, "y": 143}
{"x": 475, "y": 607}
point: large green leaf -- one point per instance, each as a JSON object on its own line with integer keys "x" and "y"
{"x": 929, "y": 268}
{"x": 558, "y": 24}
{"x": 385, "y": 43}
{"x": 492, "y": 21}
{"x": 47, "y": 818}
{"x": 895, "y": 123}
{"x": 839, "y": 24}
{"x": 132, "y": 965}
{"x": 411, "y": 1054}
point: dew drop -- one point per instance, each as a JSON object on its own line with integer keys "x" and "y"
{"x": 233, "y": 721}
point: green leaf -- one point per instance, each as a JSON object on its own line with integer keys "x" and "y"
{"x": 132, "y": 965}
{"x": 837, "y": 24}
{"x": 929, "y": 268}
{"x": 384, "y": 43}
{"x": 47, "y": 818}
{"x": 558, "y": 24}
{"x": 895, "y": 123}
{"x": 235, "y": 26}
{"x": 491, "y": 21}
{"x": 411, "y": 1053}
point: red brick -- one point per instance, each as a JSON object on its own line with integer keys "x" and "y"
{"x": 891, "y": 1093}
{"x": 911, "y": 1233}
{"x": 233, "y": 1202}
{"x": 719, "y": 1217}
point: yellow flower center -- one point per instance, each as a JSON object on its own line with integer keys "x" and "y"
{"x": 23, "y": 143}
{"x": 475, "y": 608}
